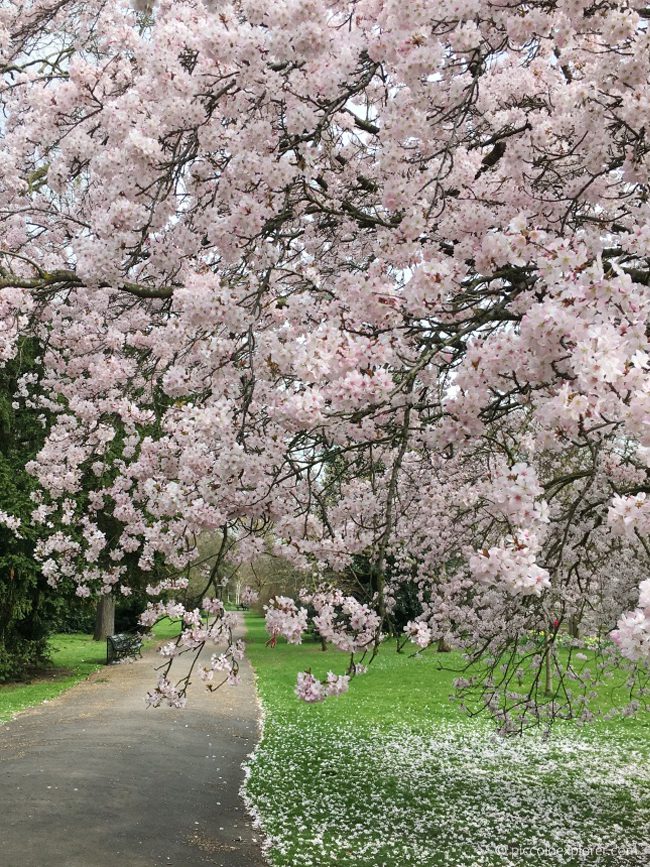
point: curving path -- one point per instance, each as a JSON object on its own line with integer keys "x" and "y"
{"x": 94, "y": 779}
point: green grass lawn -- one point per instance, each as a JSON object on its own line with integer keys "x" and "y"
{"x": 165, "y": 629}
{"x": 74, "y": 657}
{"x": 393, "y": 775}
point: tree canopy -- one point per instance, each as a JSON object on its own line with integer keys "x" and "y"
{"x": 371, "y": 274}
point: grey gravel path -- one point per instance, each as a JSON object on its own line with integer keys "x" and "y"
{"x": 94, "y": 779}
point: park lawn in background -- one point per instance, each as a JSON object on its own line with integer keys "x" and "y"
{"x": 392, "y": 774}
{"x": 165, "y": 628}
{"x": 74, "y": 657}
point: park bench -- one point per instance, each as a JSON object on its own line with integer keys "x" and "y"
{"x": 122, "y": 645}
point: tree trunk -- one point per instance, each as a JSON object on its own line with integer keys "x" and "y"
{"x": 548, "y": 672}
{"x": 443, "y": 647}
{"x": 574, "y": 627}
{"x": 105, "y": 619}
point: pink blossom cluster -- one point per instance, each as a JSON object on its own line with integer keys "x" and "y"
{"x": 155, "y": 611}
{"x": 419, "y": 633}
{"x": 342, "y": 620}
{"x": 632, "y": 634}
{"x": 629, "y": 515}
{"x": 213, "y": 605}
{"x": 249, "y": 595}
{"x": 167, "y": 585}
{"x": 198, "y": 628}
{"x": 349, "y": 624}
{"x": 165, "y": 693}
{"x": 512, "y": 563}
{"x": 285, "y": 619}
{"x": 310, "y": 689}
{"x": 227, "y": 663}
{"x": 513, "y": 493}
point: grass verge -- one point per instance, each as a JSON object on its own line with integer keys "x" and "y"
{"x": 393, "y": 775}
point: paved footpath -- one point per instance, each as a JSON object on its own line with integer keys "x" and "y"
{"x": 95, "y": 779}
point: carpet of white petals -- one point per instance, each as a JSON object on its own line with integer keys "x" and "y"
{"x": 447, "y": 793}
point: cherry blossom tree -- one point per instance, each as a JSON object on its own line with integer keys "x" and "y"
{"x": 373, "y": 275}
{"x": 249, "y": 596}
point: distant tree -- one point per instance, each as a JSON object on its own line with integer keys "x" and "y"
{"x": 23, "y": 590}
